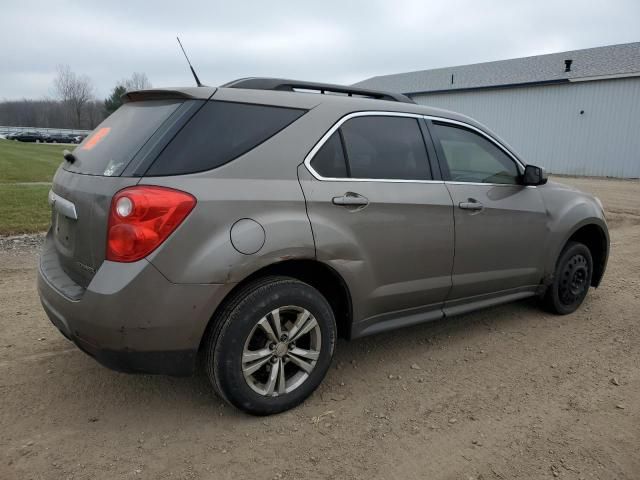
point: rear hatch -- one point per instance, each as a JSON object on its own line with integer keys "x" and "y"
{"x": 107, "y": 161}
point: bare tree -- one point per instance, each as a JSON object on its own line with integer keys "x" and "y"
{"x": 48, "y": 113}
{"x": 95, "y": 113}
{"x": 138, "y": 81}
{"x": 73, "y": 90}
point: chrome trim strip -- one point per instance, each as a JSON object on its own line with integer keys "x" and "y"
{"x": 448, "y": 182}
{"x": 373, "y": 113}
{"x": 380, "y": 180}
{"x": 62, "y": 205}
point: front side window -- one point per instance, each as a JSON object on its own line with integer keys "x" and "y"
{"x": 380, "y": 147}
{"x": 470, "y": 157}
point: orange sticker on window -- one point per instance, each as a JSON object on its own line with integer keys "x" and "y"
{"x": 96, "y": 138}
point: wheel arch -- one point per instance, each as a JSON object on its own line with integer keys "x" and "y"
{"x": 594, "y": 235}
{"x": 319, "y": 275}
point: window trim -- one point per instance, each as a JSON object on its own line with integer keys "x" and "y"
{"x": 338, "y": 124}
{"x": 373, "y": 113}
{"x": 345, "y": 154}
{"x": 337, "y": 137}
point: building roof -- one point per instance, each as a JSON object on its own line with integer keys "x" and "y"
{"x": 588, "y": 64}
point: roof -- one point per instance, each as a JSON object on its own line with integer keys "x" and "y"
{"x": 260, "y": 83}
{"x": 588, "y": 64}
{"x": 331, "y": 106}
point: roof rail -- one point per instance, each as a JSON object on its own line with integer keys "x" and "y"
{"x": 257, "y": 83}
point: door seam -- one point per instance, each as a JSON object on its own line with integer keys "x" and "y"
{"x": 306, "y": 211}
{"x": 453, "y": 259}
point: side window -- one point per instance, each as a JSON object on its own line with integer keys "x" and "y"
{"x": 329, "y": 161}
{"x": 219, "y": 133}
{"x": 470, "y": 157}
{"x": 386, "y": 148}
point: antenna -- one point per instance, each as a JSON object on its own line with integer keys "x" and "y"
{"x": 190, "y": 66}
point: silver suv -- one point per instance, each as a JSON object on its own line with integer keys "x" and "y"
{"x": 246, "y": 227}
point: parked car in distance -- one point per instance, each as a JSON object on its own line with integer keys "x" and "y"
{"x": 249, "y": 226}
{"x": 61, "y": 138}
{"x": 30, "y": 136}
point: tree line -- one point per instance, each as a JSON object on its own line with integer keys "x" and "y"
{"x": 73, "y": 104}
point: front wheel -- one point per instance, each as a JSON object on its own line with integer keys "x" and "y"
{"x": 571, "y": 280}
{"x": 271, "y": 345}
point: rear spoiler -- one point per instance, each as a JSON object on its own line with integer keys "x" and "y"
{"x": 187, "y": 93}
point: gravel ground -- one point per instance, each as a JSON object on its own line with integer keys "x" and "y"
{"x": 21, "y": 244}
{"x": 506, "y": 393}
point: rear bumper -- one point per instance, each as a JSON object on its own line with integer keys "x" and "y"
{"x": 170, "y": 362}
{"x": 131, "y": 318}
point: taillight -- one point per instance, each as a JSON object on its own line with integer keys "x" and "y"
{"x": 141, "y": 218}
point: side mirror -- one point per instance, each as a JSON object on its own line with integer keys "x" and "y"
{"x": 534, "y": 175}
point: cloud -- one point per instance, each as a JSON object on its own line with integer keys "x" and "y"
{"x": 336, "y": 41}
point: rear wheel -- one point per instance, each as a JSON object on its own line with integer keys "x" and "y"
{"x": 572, "y": 279}
{"x": 271, "y": 345}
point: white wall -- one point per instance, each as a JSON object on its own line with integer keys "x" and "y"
{"x": 544, "y": 126}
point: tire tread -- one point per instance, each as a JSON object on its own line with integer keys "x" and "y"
{"x": 549, "y": 301}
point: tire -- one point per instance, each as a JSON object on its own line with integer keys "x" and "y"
{"x": 571, "y": 279}
{"x": 240, "y": 342}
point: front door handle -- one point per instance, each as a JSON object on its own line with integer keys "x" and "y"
{"x": 472, "y": 204}
{"x": 350, "y": 199}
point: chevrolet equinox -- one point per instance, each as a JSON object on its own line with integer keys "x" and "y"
{"x": 244, "y": 228}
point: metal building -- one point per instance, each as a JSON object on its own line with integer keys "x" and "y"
{"x": 575, "y": 113}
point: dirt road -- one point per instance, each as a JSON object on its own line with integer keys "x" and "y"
{"x": 506, "y": 393}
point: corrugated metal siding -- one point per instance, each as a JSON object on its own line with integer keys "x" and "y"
{"x": 544, "y": 125}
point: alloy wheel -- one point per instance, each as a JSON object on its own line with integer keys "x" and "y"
{"x": 281, "y": 351}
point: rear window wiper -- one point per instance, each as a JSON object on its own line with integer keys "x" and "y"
{"x": 68, "y": 156}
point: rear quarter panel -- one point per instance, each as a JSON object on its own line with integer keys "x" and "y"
{"x": 201, "y": 251}
{"x": 261, "y": 185}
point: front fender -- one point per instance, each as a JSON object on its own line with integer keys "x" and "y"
{"x": 568, "y": 211}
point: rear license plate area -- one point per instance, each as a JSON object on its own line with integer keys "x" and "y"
{"x": 63, "y": 231}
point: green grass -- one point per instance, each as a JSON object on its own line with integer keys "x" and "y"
{"x": 28, "y": 162}
{"x": 24, "y": 207}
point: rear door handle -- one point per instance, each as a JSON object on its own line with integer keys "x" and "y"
{"x": 472, "y": 204}
{"x": 350, "y": 199}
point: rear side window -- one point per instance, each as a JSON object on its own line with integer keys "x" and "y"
{"x": 114, "y": 143}
{"x": 329, "y": 161}
{"x": 219, "y": 133}
{"x": 380, "y": 147}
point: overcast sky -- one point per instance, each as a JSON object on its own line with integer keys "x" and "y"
{"x": 335, "y": 41}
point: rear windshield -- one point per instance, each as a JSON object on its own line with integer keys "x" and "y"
{"x": 219, "y": 133}
{"x": 114, "y": 143}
